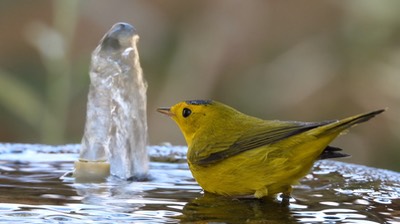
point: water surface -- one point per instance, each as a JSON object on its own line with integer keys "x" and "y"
{"x": 31, "y": 191}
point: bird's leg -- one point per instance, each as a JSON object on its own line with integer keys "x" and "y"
{"x": 286, "y": 196}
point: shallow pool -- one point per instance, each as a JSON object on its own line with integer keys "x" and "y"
{"x": 34, "y": 190}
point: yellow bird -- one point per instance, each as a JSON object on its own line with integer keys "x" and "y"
{"x": 233, "y": 154}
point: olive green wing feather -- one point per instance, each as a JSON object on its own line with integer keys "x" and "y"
{"x": 253, "y": 138}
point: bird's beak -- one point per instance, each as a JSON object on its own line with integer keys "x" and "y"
{"x": 166, "y": 111}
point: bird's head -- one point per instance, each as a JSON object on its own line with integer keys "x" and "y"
{"x": 192, "y": 115}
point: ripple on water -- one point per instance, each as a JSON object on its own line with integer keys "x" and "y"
{"x": 31, "y": 191}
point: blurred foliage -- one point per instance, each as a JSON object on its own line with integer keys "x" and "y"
{"x": 289, "y": 60}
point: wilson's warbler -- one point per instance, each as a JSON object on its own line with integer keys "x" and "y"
{"x": 233, "y": 154}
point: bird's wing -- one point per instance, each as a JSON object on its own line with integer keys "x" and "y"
{"x": 254, "y": 138}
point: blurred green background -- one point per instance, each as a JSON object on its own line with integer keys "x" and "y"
{"x": 288, "y": 60}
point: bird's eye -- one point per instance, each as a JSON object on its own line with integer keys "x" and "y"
{"x": 186, "y": 112}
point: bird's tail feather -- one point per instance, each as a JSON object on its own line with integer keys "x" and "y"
{"x": 331, "y": 152}
{"x": 341, "y": 125}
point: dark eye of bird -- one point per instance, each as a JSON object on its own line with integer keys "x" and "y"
{"x": 186, "y": 112}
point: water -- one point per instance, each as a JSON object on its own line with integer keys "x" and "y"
{"x": 31, "y": 191}
{"x": 116, "y": 123}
